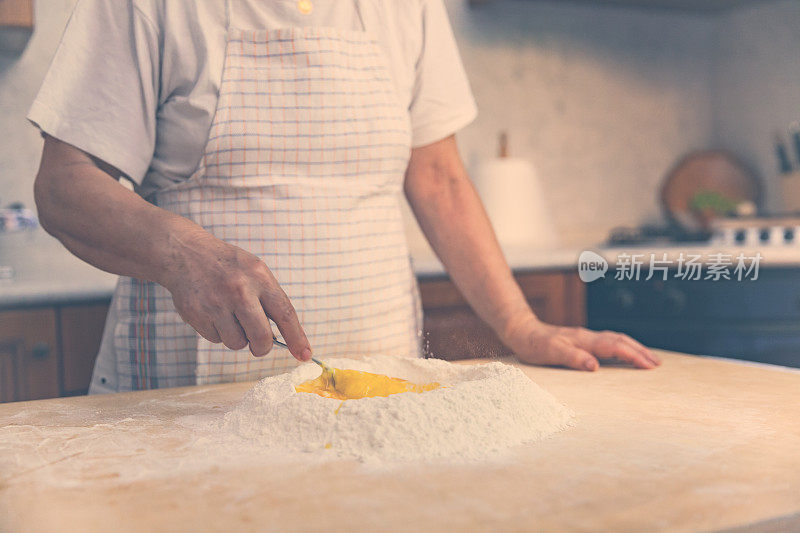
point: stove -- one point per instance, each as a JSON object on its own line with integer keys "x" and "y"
{"x": 753, "y": 319}
{"x": 655, "y": 235}
{"x": 728, "y": 232}
{"x": 756, "y": 232}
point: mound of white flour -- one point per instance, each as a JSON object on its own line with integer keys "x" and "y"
{"x": 481, "y": 411}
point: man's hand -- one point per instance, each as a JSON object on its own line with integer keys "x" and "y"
{"x": 222, "y": 291}
{"x": 226, "y": 294}
{"x": 542, "y": 344}
{"x": 451, "y": 215}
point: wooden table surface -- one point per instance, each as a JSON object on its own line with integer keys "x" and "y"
{"x": 696, "y": 445}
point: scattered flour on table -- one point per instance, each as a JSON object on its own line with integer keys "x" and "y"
{"x": 480, "y": 411}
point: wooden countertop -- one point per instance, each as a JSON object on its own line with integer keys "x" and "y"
{"x": 696, "y": 445}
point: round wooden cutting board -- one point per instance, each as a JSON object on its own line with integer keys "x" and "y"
{"x": 707, "y": 171}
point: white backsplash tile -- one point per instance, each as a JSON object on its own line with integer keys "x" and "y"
{"x": 601, "y": 100}
{"x": 757, "y": 84}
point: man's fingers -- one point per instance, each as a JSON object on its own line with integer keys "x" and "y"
{"x": 278, "y": 307}
{"x": 230, "y": 332}
{"x": 642, "y": 352}
{"x": 614, "y": 345}
{"x": 581, "y": 348}
{"x": 256, "y": 327}
{"x": 605, "y": 344}
{"x": 646, "y": 352}
{"x": 209, "y": 332}
{"x": 579, "y": 359}
{"x": 562, "y": 351}
{"x": 201, "y": 325}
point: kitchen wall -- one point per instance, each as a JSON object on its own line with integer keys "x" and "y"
{"x": 600, "y": 99}
{"x": 757, "y": 83}
{"x": 20, "y": 77}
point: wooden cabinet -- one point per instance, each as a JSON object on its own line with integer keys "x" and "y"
{"x": 702, "y": 6}
{"x": 81, "y": 328}
{"x": 453, "y": 331}
{"x": 29, "y": 367}
{"x": 49, "y": 352}
{"x": 16, "y": 24}
{"x": 16, "y": 13}
{"x": 683, "y": 5}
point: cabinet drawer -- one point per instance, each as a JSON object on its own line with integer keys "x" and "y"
{"x": 775, "y": 295}
{"x": 81, "y": 329}
{"x": 28, "y": 355}
{"x": 458, "y": 333}
{"x": 453, "y": 331}
{"x": 555, "y": 297}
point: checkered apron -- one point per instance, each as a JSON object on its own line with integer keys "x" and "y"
{"x": 304, "y": 168}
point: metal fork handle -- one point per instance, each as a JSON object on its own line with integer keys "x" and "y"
{"x": 279, "y": 343}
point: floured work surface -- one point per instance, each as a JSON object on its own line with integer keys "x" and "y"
{"x": 697, "y": 444}
{"x": 445, "y": 413}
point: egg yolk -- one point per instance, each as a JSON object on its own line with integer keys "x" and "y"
{"x": 355, "y": 384}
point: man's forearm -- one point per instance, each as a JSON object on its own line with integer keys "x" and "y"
{"x": 453, "y": 219}
{"x": 224, "y": 292}
{"x": 104, "y": 223}
{"x": 215, "y": 287}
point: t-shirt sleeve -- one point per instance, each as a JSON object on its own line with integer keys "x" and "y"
{"x": 100, "y": 93}
{"x": 442, "y": 101}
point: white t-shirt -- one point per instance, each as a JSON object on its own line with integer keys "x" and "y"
{"x": 135, "y": 83}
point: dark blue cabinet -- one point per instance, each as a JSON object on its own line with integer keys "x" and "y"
{"x": 754, "y": 320}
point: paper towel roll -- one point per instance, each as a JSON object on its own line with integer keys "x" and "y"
{"x": 513, "y": 196}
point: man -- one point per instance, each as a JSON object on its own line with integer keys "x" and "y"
{"x": 268, "y": 144}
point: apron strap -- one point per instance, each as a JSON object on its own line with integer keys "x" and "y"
{"x": 360, "y": 15}
{"x": 228, "y": 14}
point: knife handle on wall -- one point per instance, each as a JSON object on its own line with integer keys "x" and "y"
{"x": 784, "y": 162}
{"x": 795, "y": 133}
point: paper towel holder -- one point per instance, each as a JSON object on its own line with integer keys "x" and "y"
{"x": 502, "y": 144}
{"x": 514, "y": 199}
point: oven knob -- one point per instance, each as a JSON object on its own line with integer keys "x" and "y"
{"x": 623, "y": 299}
{"x": 675, "y": 300}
